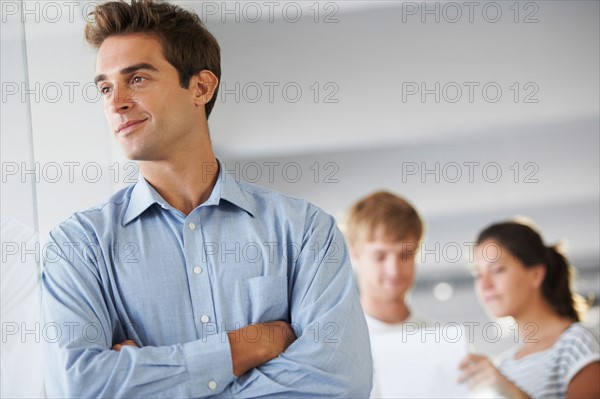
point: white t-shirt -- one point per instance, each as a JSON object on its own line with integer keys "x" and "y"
{"x": 377, "y": 326}
{"x": 20, "y": 354}
{"x": 546, "y": 374}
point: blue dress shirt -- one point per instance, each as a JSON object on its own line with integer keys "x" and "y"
{"x": 136, "y": 268}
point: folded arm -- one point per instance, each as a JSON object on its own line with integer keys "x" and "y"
{"x": 80, "y": 328}
{"x": 82, "y": 359}
{"x": 331, "y": 356}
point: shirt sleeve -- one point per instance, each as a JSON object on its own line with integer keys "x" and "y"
{"x": 332, "y": 355}
{"x": 79, "y": 326}
{"x": 584, "y": 349}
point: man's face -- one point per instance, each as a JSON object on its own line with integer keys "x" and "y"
{"x": 385, "y": 269}
{"x": 149, "y": 113}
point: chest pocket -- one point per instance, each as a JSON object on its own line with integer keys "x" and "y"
{"x": 266, "y": 298}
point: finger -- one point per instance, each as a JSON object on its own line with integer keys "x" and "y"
{"x": 118, "y": 347}
{"x": 464, "y": 363}
{"x": 472, "y": 368}
{"x": 468, "y": 372}
{"x": 481, "y": 379}
{"x": 470, "y": 360}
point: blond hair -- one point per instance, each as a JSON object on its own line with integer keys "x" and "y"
{"x": 383, "y": 214}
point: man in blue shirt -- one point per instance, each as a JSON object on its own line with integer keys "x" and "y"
{"x": 188, "y": 283}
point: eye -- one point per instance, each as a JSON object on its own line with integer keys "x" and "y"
{"x": 408, "y": 255}
{"x": 497, "y": 270}
{"x": 104, "y": 89}
{"x": 137, "y": 80}
{"x": 378, "y": 256}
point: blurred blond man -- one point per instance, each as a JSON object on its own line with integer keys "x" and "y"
{"x": 384, "y": 232}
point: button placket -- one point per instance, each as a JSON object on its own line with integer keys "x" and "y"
{"x": 198, "y": 275}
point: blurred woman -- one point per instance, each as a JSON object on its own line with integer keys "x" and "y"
{"x": 518, "y": 276}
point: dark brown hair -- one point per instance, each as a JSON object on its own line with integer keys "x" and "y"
{"x": 185, "y": 41}
{"x": 383, "y": 213}
{"x": 526, "y": 245}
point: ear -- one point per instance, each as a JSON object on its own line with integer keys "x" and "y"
{"x": 538, "y": 273}
{"x": 354, "y": 254}
{"x": 203, "y": 85}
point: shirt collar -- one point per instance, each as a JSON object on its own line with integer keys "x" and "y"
{"x": 144, "y": 195}
{"x": 231, "y": 191}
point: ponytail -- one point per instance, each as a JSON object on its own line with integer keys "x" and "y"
{"x": 557, "y": 288}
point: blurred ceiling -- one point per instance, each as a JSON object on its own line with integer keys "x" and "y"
{"x": 387, "y": 73}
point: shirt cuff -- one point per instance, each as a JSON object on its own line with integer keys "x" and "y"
{"x": 209, "y": 365}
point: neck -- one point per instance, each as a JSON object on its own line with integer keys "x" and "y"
{"x": 539, "y": 324}
{"x": 388, "y": 311}
{"x": 185, "y": 179}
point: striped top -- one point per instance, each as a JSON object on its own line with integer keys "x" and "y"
{"x": 546, "y": 374}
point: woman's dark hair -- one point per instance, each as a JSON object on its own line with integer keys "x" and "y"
{"x": 526, "y": 245}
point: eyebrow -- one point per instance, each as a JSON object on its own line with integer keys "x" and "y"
{"x": 128, "y": 70}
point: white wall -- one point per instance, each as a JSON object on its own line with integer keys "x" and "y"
{"x": 18, "y": 189}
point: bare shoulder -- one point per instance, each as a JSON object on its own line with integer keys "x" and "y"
{"x": 585, "y": 384}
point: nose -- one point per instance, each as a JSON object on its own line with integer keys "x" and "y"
{"x": 484, "y": 281}
{"x": 393, "y": 266}
{"x": 121, "y": 100}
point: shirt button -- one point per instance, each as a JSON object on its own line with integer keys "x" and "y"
{"x": 205, "y": 319}
{"x": 212, "y": 385}
{"x": 192, "y": 226}
{"x": 197, "y": 270}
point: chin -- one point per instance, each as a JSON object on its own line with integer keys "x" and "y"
{"x": 393, "y": 294}
{"x": 134, "y": 154}
{"x": 498, "y": 312}
{"x": 131, "y": 157}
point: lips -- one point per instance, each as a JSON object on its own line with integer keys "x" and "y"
{"x": 393, "y": 281}
{"x": 129, "y": 125}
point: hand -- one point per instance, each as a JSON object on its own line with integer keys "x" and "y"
{"x": 479, "y": 372}
{"x": 256, "y": 344}
{"x": 128, "y": 342}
